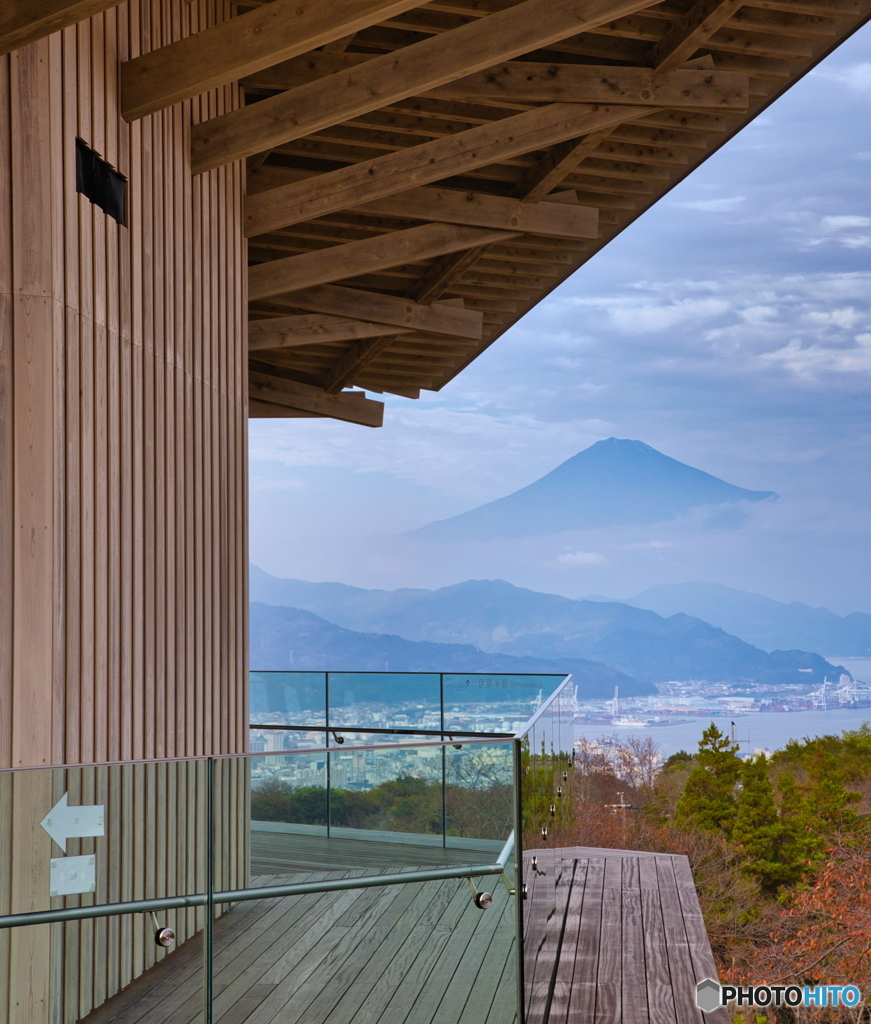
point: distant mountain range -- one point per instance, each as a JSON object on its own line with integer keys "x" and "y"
{"x": 760, "y": 620}
{"x": 496, "y": 617}
{"x": 612, "y": 483}
{"x": 284, "y": 639}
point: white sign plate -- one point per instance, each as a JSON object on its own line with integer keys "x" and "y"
{"x": 71, "y": 875}
{"x": 64, "y": 822}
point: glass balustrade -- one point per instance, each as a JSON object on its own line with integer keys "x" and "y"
{"x": 352, "y": 875}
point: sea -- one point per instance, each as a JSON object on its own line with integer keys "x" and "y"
{"x": 763, "y": 730}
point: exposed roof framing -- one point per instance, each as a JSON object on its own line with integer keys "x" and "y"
{"x": 421, "y": 175}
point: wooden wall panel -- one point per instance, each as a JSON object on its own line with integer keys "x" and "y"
{"x": 123, "y": 411}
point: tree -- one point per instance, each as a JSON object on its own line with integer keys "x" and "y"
{"x": 678, "y": 757}
{"x": 636, "y": 761}
{"x": 708, "y": 800}
{"x": 773, "y": 849}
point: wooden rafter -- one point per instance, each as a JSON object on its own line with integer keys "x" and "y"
{"x": 440, "y": 275}
{"x": 25, "y": 21}
{"x": 694, "y": 29}
{"x": 268, "y": 385}
{"x": 325, "y": 266}
{"x": 396, "y": 172}
{"x": 482, "y": 210}
{"x": 229, "y": 51}
{"x": 528, "y": 82}
{"x": 551, "y": 169}
{"x": 394, "y": 76}
{"x": 312, "y": 329}
{"x": 439, "y": 318}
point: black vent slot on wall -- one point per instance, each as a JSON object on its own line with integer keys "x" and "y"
{"x": 105, "y": 187}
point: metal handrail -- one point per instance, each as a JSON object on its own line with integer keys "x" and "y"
{"x": 443, "y": 733}
{"x": 269, "y": 892}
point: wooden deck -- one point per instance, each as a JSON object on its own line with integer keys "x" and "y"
{"x": 414, "y": 954}
{"x": 612, "y": 937}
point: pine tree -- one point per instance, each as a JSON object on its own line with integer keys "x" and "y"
{"x": 708, "y": 800}
{"x": 797, "y": 823}
{"x": 827, "y": 795}
{"x": 772, "y": 847}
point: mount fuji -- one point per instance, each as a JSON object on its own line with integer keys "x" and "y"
{"x": 612, "y": 483}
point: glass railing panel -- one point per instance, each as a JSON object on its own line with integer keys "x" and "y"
{"x": 288, "y": 698}
{"x": 288, "y": 808}
{"x": 401, "y": 806}
{"x": 388, "y": 795}
{"x": 494, "y": 703}
{"x": 83, "y": 838}
{"x": 479, "y": 795}
{"x": 385, "y": 700}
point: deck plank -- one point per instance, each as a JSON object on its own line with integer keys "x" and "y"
{"x": 660, "y": 999}
{"x": 634, "y": 1003}
{"x": 562, "y": 986}
{"x": 683, "y": 980}
{"x": 609, "y": 978}
{"x": 582, "y": 1002}
{"x": 407, "y": 991}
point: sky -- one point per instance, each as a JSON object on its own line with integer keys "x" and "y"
{"x": 729, "y": 327}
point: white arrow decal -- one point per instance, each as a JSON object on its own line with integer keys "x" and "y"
{"x": 64, "y": 822}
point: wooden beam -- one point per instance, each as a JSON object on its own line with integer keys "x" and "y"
{"x": 684, "y": 37}
{"x": 366, "y": 256}
{"x": 397, "y": 172}
{"x": 260, "y": 410}
{"x": 238, "y": 47}
{"x": 25, "y": 21}
{"x": 482, "y": 210}
{"x": 353, "y": 362}
{"x": 352, "y": 408}
{"x": 339, "y": 45}
{"x": 312, "y": 329}
{"x": 527, "y": 82}
{"x": 439, "y": 318}
{"x": 396, "y": 390}
{"x": 443, "y": 272}
{"x": 290, "y": 74}
{"x": 533, "y": 187}
{"x": 559, "y": 161}
{"x": 394, "y": 76}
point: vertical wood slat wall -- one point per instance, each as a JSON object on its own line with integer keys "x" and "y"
{"x": 123, "y": 398}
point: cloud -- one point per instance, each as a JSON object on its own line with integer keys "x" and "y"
{"x": 725, "y": 205}
{"x": 655, "y": 544}
{"x": 855, "y": 76}
{"x": 845, "y": 221}
{"x": 651, "y": 319}
{"x": 806, "y": 362}
{"x": 581, "y": 558}
{"x": 844, "y": 318}
{"x": 265, "y": 483}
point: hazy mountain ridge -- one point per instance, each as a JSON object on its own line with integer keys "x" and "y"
{"x": 760, "y": 620}
{"x": 498, "y": 618}
{"x": 612, "y": 483}
{"x": 284, "y": 639}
